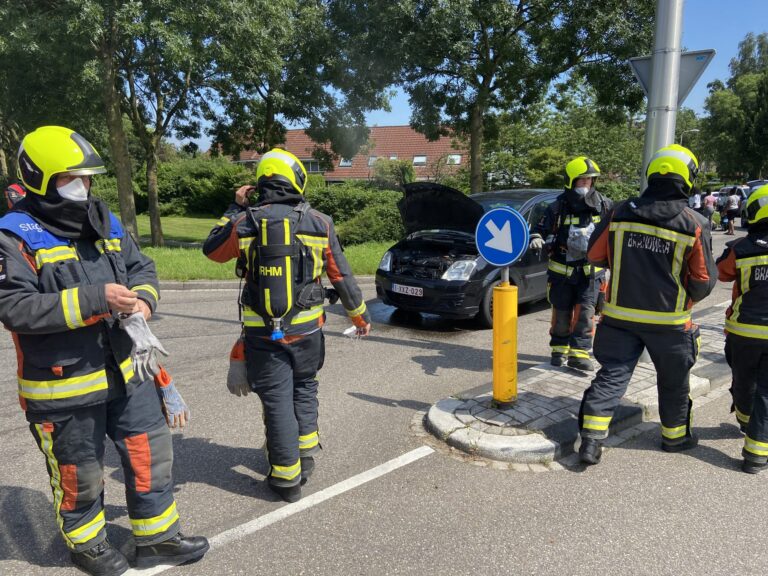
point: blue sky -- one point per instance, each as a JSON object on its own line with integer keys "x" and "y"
{"x": 718, "y": 24}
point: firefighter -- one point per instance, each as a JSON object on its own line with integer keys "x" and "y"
{"x": 66, "y": 270}
{"x": 573, "y": 283}
{"x": 745, "y": 262}
{"x": 282, "y": 247}
{"x": 660, "y": 256}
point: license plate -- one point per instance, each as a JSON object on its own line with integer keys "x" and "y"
{"x": 408, "y": 290}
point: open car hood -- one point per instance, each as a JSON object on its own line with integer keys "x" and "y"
{"x": 431, "y": 206}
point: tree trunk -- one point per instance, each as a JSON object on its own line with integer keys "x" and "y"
{"x": 154, "y": 204}
{"x": 4, "y": 166}
{"x": 475, "y": 149}
{"x": 118, "y": 144}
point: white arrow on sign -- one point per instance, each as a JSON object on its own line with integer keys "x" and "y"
{"x": 500, "y": 239}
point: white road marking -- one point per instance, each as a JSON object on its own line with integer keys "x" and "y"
{"x": 290, "y": 509}
{"x": 723, "y": 304}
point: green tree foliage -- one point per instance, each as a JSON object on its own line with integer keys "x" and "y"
{"x": 393, "y": 174}
{"x": 465, "y": 59}
{"x": 734, "y": 132}
{"x": 305, "y": 67}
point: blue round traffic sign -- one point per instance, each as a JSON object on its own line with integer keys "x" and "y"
{"x": 502, "y": 236}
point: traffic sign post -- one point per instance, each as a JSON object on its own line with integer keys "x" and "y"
{"x": 502, "y": 237}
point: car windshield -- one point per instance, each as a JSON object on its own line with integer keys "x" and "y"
{"x": 502, "y": 202}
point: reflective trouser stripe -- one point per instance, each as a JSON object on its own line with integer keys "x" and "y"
{"x": 558, "y": 268}
{"x": 286, "y": 472}
{"x": 576, "y": 353}
{"x": 645, "y": 316}
{"x": 674, "y": 433}
{"x": 596, "y": 422}
{"x": 156, "y": 524}
{"x": 357, "y": 311}
{"x": 70, "y": 305}
{"x": 308, "y": 441}
{"x": 746, "y": 330}
{"x": 87, "y": 531}
{"x": 755, "y": 447}
{"x": 147, "y": 288}
{"x": 741, "y": 417}
{"x": 560, "y": 349}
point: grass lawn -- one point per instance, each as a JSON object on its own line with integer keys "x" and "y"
{"x": 179, "y": 228}
{"x": 183, "y": 264}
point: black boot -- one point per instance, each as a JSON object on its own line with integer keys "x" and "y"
{"x": 307, "y": 467}
{"x": 176, "y": 550}
{"x": 583, "y": 364}
{"x": 690, "y": 442}
{"x": 751, "y": 467}
{"x": 557, "y": 359}
{"x": 287, "y": 493}
{"x": 101, "y": 560}
{"x": 590, "y": 451}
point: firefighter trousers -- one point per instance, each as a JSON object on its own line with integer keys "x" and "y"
{"x": 284, "y": 377}
{"x": 618, "y": 350}
{"x": 73, "y": 443}
{"x": 573, "y": 303}
{"x": 748, "y": 359}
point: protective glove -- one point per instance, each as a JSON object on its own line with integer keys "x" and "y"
{"x": 145, "y": 345}
{"x": 174, "y": 408}
{"x": 237, "y": 376}
{"x": 537, "y": 242}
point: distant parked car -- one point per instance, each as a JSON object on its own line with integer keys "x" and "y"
{"x": 436, "y": 267}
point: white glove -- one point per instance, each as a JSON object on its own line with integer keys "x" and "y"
{"x": 537, "y": 242}
{"x": 237, "y": 375}
{"x": 145, "y": 345}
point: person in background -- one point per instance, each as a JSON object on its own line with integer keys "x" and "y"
{"x": 732, "y": 205}
{"x": 710, "y": 204}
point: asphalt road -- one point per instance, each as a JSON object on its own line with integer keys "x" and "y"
{"x": 640, "y": 512}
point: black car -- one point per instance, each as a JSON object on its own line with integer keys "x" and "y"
{"x": 436, "y": 267}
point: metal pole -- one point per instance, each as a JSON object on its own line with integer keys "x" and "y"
{"x": 662, "y": 100}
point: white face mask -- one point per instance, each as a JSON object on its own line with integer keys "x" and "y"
{"x": 581, "y": 190}
{"x": 75, "y": 190}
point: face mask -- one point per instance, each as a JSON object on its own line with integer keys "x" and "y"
{"x": 581, "y": 190}
{"x": 75, "y": 191}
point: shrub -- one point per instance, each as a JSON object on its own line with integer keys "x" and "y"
{"x": 616, "y": 190}
{"x": 105, "y": 187}
{"x": 345, "y": 201}
{"x": 376, "y": 223}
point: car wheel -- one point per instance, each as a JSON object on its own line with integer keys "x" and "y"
{"x": 485, "y": 315}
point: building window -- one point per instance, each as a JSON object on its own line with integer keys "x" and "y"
{"x": 372, "y": 160}
{"x": 393, "y": 157}
{"x": 453, "y": 159}
{"x": 312, "y": 166}
{"x": 345, "y": 163}
{"x": 419, "y": 160}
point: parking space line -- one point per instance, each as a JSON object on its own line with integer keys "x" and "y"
{"x": 290, "y": 509}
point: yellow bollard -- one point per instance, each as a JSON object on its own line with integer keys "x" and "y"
{"x": 504, "y": 344}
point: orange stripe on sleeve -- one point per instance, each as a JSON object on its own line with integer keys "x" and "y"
{"x": 331, "y": 268}
{"x": 726, "y": 268}
{"x": 697, "y": 263}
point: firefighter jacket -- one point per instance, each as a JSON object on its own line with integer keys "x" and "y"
{"x": 564, "y": 222}
{"x": 659, "y": 252}
{"x": 745, "y": 261}
{"x": 319, "y": 252}
{"x": 52, "y": 299}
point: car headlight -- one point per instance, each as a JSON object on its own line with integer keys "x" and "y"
{"x": 386, "y": 262}
{"x": 460, "y": 270}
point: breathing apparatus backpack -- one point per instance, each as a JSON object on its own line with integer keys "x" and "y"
{"x": 280, "y": 281}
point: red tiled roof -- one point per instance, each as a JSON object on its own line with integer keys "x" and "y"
{"x": 384, "y": 142}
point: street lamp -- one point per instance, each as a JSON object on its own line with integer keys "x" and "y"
{"x": 692, "y": 130}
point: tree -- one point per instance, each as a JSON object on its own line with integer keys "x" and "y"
{"x": 314, "y": 66}
{"x": 464, "y": 60}
{"x": 734, "y": 132}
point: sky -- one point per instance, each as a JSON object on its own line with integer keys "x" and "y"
{"x": 718, "y": 24}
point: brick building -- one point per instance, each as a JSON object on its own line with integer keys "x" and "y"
{"x": 430, "y": 159}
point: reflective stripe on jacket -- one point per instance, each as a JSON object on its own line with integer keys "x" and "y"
{"x": 320, "y": 253}
{"x": 660, "y": 262}
{"x": 52, "y": 299}
{"x": 745, "y": 262}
